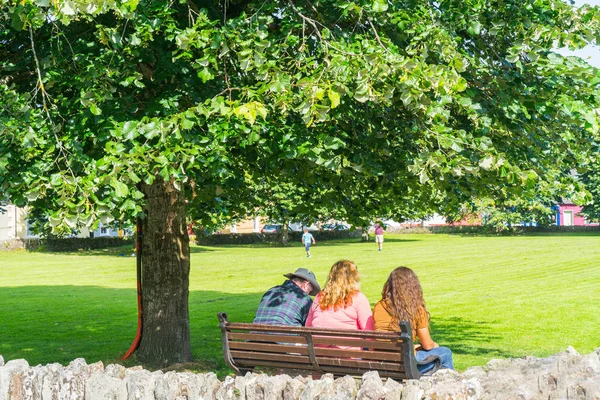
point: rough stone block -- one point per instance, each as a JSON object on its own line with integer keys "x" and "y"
{"x": 103, "y": 387}
{"x": 227, "y": 391}
{"x": 184, "y": 386}
{"x": 317, "y": 389}
{"x": 115, "y": 371}
{"x": 411, "y": 392}
{"x": 393, "y": 389}
{"x": 294, "y": 389}
{"x": 11, "y": 379}
{"x": 209, "y": 384}
{"x": 255, "y": 387}
{"x": 141, "y": 384}
{"x": 275, "y": 386}
{"x": 345, "y": 387}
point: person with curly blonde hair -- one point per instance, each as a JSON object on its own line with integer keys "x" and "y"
{"x": 402, "y": 300}
{"x": 341, "y": 304}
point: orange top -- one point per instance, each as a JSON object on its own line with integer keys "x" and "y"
{"x": 385, "y": 322}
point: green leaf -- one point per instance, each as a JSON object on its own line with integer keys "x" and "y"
{"x": 187, "y": 124}
{"x": 334, "y": 97}
{"x": 460, "y": 85}
{"x": 130, "y": 130}
{"x": 164, "y": 174}
{"x": 121, "y": 189}
{"x": 406, "y": 97}
{"x": 133, "y": 176}
{"x": 474, "y": 28}
{"x": 513, "y": 58}
{"x": 487, "y": 162}
{"x": 205, "y": 75}
{"x": 56, "y": 180}
{"x": 380, "y": 5}
{"x": 95, "y": 109}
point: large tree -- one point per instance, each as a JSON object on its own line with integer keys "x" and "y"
{"x": 111, "y": 109}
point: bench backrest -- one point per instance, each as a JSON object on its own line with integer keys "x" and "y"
{"x": 341, "y": 352}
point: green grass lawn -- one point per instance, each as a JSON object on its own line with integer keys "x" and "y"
{"x": 489, "y": 297}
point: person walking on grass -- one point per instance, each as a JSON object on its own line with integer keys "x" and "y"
{"x": 307, "y": 240}
{"x": 379, "y": 235}
{"x": 288, "y": 303}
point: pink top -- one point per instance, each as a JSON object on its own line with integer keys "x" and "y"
{"x": 356, "y": 316}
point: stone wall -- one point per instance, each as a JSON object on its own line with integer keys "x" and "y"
{"x": 565, "y": 375}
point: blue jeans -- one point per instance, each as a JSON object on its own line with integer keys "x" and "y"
{"x": 443, "y": 352}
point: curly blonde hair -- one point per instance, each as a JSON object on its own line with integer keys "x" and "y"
{"x": 342, "y": 284}
{"x": 403, "y": 298}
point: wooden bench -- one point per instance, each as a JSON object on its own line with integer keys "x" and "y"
{"x": 247, "y": 346}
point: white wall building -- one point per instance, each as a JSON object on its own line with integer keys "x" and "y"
{"x": 13, "y": 223}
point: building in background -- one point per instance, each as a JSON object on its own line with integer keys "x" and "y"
{"x": 13, "y": 223}
{"x": 569, "y": 214}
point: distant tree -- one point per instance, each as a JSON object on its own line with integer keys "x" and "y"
{"x": 111, "y": 109}
{"x": 591, "y": 180}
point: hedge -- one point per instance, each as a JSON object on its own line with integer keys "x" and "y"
{"x": 492, "y": 230}
{"x": 272, "y": 238}
{"x": 66, "y": 244}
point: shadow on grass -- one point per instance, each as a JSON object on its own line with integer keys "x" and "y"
{"x": 47, "y": 324}
{"x": 121, "y": 251}
{"x": 459, "y": 334}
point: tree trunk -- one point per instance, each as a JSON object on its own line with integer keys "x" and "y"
{"x": 165, "y": 277}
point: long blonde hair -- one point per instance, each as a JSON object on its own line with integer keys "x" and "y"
{"x": 403, "y": 298}
{"x": 342, "y": 284}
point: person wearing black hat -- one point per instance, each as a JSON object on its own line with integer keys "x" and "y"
{"x": 288, "y": 303}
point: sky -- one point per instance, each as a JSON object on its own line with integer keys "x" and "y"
{"x": 591, "y": 53}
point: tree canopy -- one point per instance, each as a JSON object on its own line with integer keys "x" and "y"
{"x": 364, "y": 107}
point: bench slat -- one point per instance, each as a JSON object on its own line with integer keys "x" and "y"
{"x": 366, "y": 365}
{"x": 365, "y": 355}
{"x": 257, "y": 337}
{"x": 254, "y": 355}
{"x": 232, "y": 326}
{"x": 276, "y": 349}
{"x": 338, "y": 370}
{"x": 370, "y": 344}
{"x": 395, "y": 345}
{"x": 268, "y": 348}
{"x": 273, "y": 364}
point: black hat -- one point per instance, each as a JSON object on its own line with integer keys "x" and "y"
{"x": 306, "y": 275}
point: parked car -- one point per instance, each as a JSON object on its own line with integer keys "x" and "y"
{"x": 335, "y": 227}
{"x": 295, "y": 227}
{"x": 299, "y": 227}
{"x": 271, "y": 229}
